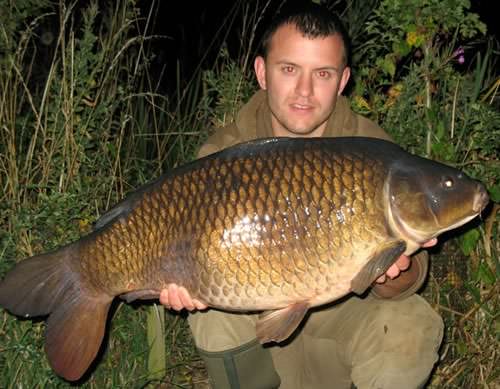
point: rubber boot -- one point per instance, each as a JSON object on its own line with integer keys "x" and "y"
{"x": 249, "y": 366}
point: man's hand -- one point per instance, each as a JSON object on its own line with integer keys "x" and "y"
{"x": 401, "y": 264}
{"x": 177, "y": 298}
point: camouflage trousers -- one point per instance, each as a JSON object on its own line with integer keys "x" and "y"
{"x": 370, "y": 342}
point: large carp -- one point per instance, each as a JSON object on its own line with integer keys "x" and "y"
{"x": 279, "y": 225}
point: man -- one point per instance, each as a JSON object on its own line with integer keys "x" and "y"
{"x": 388, "y": 339}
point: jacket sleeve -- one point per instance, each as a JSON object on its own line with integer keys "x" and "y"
{"x": 407, "y": 283}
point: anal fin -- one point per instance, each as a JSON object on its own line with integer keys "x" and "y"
{"x": 143, "y": 294}
{"x": 377, "y": 265}
{"x": 278, "y": 325}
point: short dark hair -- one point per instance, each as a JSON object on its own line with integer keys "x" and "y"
{"x": 312, "y": 20}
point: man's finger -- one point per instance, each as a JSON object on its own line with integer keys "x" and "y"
{"x": 199, "y": 305}
{"x": 381, "y": 279}
{"x": 164, "y": 298}
{"x": 403, "y": 262}
{"x": 430, "y": 243}
{"x": 189, "y": 303}
{"x": 185, "y": 298}
{"x": 393, "y": 271}
{"x": 173, "y": 297}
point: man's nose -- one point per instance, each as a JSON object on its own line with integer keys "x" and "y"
{"x": 304, "y": 85}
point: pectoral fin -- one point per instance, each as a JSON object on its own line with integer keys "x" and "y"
{"x": 377, "y": 265}
{"x": 275, "y": 326}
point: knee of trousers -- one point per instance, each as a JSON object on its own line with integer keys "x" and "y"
{"x": 397, "y": 345}
{"x": 216, "y": 331}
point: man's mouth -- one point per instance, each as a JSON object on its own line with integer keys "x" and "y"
{"x": 301, "y": 107}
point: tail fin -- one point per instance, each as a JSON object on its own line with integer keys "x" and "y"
{"x": 47, "y": 285}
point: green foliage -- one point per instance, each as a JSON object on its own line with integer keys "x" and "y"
{"x": 399, "y": 29}
{"x": 425, "y": 101}
{"x": 18, "y": 21}
{"x": 229, "y": 87}
{"x": 469, "y": 241}
{"x": 495, "y": 193}
{"x": 419, "y": 21}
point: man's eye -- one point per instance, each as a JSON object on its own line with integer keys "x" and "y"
{"x": 288, "y": 69}
{"x": 324, "y": 74}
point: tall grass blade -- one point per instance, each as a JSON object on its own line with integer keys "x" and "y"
{"x": 157, "y": 360}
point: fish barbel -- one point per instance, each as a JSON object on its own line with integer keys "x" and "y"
{"x": 278, "y": 225}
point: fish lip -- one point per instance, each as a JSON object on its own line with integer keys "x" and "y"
{"x": 481, "y": 199}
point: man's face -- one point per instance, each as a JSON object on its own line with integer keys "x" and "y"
{"x": 303, "y": 78}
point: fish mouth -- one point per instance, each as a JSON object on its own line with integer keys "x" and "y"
{"x": 416, "y": 238}
{"x": 481, "y": 199}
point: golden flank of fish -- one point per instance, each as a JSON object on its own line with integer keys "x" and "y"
{"x": 278, "y": 225}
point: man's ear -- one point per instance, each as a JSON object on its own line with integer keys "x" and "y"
{"x": 346, "y": 73}
{"x": 259, "y": 66}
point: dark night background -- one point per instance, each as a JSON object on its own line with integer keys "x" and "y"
{"x": 195, "y": 33}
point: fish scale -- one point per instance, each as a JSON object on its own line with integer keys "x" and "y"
{"x": 279, "y": 225}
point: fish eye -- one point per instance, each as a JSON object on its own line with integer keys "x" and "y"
{"x": 448, "y": 182}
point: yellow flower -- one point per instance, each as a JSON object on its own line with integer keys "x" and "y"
{"x": 419, "y": 99}
{"x": 84, "y": 225}
{"x": 395, "y": 90}
{"x": 361, "y": 102}
{"x": 393, "y": 94}
{"x": 411, "y": 38}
